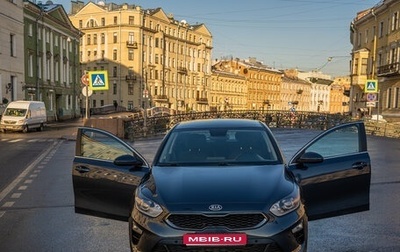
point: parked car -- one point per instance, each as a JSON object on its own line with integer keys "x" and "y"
{"x": 24, "y": 116}
{"x": 376, "y": 118}
{"x": 221, "y": 185}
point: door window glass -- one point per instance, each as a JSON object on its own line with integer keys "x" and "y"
{"x": 339, "y": 142}
{"x": 101, "y": 146}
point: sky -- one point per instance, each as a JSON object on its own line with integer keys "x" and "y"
{"x": 310, "y": 35}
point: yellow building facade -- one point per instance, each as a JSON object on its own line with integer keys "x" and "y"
{"x": 295, "y": 92}
{"x": 375, "y": 36}
{"x": 263, "y": 82}
{"x": 228, "y": 91}
{"x": 152, "y": 59}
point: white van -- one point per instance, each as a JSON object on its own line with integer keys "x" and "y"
{"x": 23, "y": 116}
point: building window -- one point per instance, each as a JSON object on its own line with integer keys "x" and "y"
{"x": 30, "y": 30}
{"x": 364, "y": 64}
{"x": 88, "y": 39}
{"x": 115, "y": 70}
{"x": 115, "y": 54}
{"x": 12, "y": 45}
{"x": 80, "y": 23}
{"x": 94, "y": 39}
{"x": 131, "y": 20}
{"x": 389, "y": 98}
{"x": 30, "y": 65}
{"x": 156, "y": 59}
{"x": 130, "y": 54}
{"x": 114, "y": 88}
{"x": 103, "y": 21}
{"x": 115, "y": 37}
{"x": 131, "y": 37}
{"x": 103, "y": 38}
{"x": 115, "y": 20}
{"x": 395, "y": 21}
{"x": 130, "y": 89}
{"x": 381, "y": 29}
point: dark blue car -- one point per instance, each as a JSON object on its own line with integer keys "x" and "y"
{"x": 222, "y": 185}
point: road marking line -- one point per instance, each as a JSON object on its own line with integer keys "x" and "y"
{"x": 28, "y": 181}
{"x": 16, "y": 195}
{"x": 2, "y": 213}
{"x": 16, "y": 181}
{"x": 21, "y": 188}
{"x": 33, "y": 176}
{"x": 9, "y": 204}
{"x": 15, "y": 140}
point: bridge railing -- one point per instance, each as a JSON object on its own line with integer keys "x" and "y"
{"x": 139, "y": 126}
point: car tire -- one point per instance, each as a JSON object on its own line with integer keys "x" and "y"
{"x": 40, "y": 128}
{"x": 26, "y": 129}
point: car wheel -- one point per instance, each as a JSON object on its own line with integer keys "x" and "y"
{"x": 26, "y": 129}
{"x": 40, "y": 128}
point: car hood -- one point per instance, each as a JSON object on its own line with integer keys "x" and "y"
{"x": 235, "y": 188}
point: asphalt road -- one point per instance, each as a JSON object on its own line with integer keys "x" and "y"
{"x": 37, "y": 213}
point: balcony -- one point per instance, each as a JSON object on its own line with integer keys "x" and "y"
{"x": 389, "y": 70}
{"x": 182, "y": 70}
{"x": 202, "y": 100}
{"x": 160, "y": 98}
{"x": 130, "y": 77}
{"x": 131, "y": 44}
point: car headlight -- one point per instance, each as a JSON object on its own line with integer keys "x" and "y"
{"x": 287, "y": 204}
{"x": 147, "y": 206}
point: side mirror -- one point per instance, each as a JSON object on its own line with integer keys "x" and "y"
{"x": 128, "y": 160}
{"x": 310, "y": 157}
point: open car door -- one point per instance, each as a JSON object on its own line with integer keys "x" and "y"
{"x": 105, "y": 173}
{"x": 334, "y": 172}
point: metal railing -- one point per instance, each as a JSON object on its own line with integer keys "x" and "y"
{"x": 158, "y": 125}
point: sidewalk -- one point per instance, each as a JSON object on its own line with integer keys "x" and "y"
{"x": 65, "y": 129}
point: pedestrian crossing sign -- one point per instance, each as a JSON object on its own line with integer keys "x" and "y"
{"x": 98, "y": 80}
{"x": 371, "y": 86}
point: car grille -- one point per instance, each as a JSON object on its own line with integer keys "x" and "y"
{"x": 230, "y": 221}
{"x": 249, "y": 248}
{"x": 9, "y": 122}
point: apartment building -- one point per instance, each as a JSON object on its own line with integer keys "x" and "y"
{"x": 152, "y": 59}
{"x": 339, "y": 95}
{"x": 51, "y": 62}
{"x": 263, "y": 82}
{"x": 295, "y": 92}
{"x": 11, "y": 51}
{"x": 374, "y": 34}
{"x": 228, "y": 91}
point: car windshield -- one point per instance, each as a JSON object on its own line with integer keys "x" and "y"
{"x": 15, "y": 112}
{"x": 218, "y": 147}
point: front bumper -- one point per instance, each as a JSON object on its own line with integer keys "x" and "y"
{"x": 284, "y": 234}
{"x": 12, "y": 127}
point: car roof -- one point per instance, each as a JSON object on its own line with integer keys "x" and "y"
{"x": 219, "y": 123}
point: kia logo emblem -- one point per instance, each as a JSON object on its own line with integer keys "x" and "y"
{"x": 215, "y": 207}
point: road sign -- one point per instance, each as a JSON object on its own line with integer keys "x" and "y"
{"x": 145, "y": 93}
{"x": 371, "y": 104}
{"x": 86, "y": 91}
{"x": 371, "y": 97}
{"x": 98, "y": 80}
{"x": 371, "y": 86}
{"x": 85, "y": 79}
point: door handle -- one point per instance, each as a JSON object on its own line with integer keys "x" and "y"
{"x": 82, "y": 169}
{"x": 359, "y": 165}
